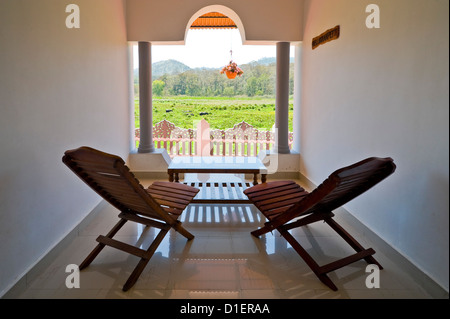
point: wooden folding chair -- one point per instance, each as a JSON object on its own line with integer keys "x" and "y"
{"x": 286, "y": 205}
{"x": 158, "y": 206}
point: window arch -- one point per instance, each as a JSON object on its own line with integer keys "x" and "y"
{"x": 220, "y": 9}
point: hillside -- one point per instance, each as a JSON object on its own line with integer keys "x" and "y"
{"x": 176, "y": 78}
{"x": 174, "y": 67}
{"x": 268, "y": 61}
{"x": 168, "y": 67}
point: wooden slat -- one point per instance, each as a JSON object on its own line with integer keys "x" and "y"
{"x": 278, "y": 197}
{"x": 175, "y": 188}
{"x": 136, "y": 205}
{"x": 229, "y": 191}
{"x": 170, "y": 196}
{"x": 268, "y": 196}
{"x": 239, "y": 190}
{"x": 235, "y": 188}
{"x": 212, "y": 189}
{"x": 144, "y": 221}
{"x": 282, "y": 200}
{"x": 204, "y": 190}
{"x": 173, "y": 211}
{"x": 220, "y": 192}
{"x": 269, "y": 188}
{"x": 171, "y": 204}
{"x": 107, "y": 181}
{"x": 272, "y": 213}
{"x": 280, "y": 191}
{"x": 123, "y": 246}
{"x": 345, "y": 261}
{"x": 94, "y": 166}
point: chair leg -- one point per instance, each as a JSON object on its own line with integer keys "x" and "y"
{"x": 179, "y": 228}
{"x": 309, "y": 260}
{"x": 145, "y": 255}
{"x": 263, "y": 230}
{"x": 100, "y": 246}
{"x": 351, "y": 241}
{"x": 321, "y": 271}
{"x": 144, "y": 261}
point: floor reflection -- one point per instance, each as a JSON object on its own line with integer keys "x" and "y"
{"x": 223, "y": 261}
{"x": 221, "y": 215}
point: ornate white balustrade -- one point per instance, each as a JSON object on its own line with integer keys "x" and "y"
{"x": 241, "y": 140}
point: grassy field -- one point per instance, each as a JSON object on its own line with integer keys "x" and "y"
{"x": 220, "y": 112}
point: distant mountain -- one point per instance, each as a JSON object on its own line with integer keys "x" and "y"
{"x": 168, "y": 67}
{"x": 267, "y": 61}
{"x": 173, "y": 67}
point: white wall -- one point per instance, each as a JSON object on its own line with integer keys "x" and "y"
{"x": 384, "y": 92}
{"x": 59, "y": 89}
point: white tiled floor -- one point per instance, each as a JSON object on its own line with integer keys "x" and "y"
{"x": 222, "y": 261}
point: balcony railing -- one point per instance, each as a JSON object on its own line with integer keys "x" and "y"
{"x": 241, "y": 140}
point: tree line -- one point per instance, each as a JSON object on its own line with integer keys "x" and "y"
{"x": 257, "y": 80}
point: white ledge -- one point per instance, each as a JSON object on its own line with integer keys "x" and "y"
{"x": 157, "y": 161}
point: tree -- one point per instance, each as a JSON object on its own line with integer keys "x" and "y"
{"x": 228, "y": 91}
{"x": 158, "y": 87}
{"x": 257, "y": 80}
{"x": 252, "y": 86}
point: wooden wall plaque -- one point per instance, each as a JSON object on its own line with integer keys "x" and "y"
{"x": 329, "y": 35}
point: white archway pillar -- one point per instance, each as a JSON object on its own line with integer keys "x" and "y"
{"x": 297, "y": 98}
{"x": 282, "y": 99}
{"x": 146, "y": 144}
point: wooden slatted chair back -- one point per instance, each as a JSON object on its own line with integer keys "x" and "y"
{"x": 109, "y": 176}
{"x": 341, "y": 187}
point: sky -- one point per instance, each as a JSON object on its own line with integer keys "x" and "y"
{"x": 211, "y": 48}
